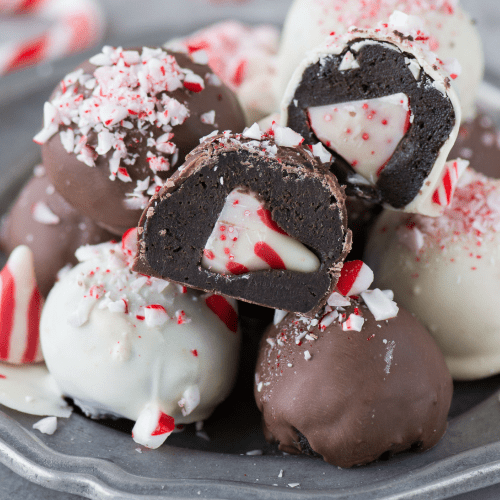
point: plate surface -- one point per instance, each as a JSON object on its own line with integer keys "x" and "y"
{"x": 87, "y": 458}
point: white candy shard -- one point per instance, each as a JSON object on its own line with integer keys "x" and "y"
{"x": 354, "y": 322}
{"x": 286, "y": 137}
{"x": 190, "y": 400}
{"x": 43, "y": 214}
{"x": 208, "y": 117}
{"x": 156, "y": 315}
{"x": 152, "y": 427}
{"x": 279, "y": 314}
{"x": 348, "y": 62}
{"x": 328, "y": 320}
{"x": 380, "y": 305}
{"x": 411, "y": 237}
{"x": 319, "y": 151}
{"x": 253, "y": 132}
{"x": 81, "y": 314}
{"x": 336, "y": 300}
{"x": 47, "y": 425}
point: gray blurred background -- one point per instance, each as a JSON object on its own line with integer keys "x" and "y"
{"x": 132, "y": 22}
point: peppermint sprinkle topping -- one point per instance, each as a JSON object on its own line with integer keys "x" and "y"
{"x": 128, "y": 90}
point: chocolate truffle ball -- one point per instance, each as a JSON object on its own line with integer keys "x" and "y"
{"x": 352, "y": 390}
{"x": 44, "y": 221}
{"x": 478, "y": 142}
{"x": 122, "y": 122}
{"x": 251, "y": 216}
{"x": 450, "y": 30}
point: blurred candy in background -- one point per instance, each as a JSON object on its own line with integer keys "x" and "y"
{"x": 32, "y": 31}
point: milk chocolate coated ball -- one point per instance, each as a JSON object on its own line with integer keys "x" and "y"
{"x": 122, "y": 122}
{"x": 352, "y": 396}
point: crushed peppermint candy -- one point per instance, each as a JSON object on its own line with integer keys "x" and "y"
{"x": 472, "y": 218}
{"x": 43, "y": 214}
{"x": 112, "y": 285}
{"x": 298, "y": 334}
{"x": 128, "y": 90}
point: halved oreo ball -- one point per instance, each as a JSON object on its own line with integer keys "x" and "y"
{"x": 382, "y": 105}
{"x": 250, "y": 216}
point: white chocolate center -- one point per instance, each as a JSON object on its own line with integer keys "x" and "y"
{"x": 365, "y": 133}
{"x": 245, "y": 239}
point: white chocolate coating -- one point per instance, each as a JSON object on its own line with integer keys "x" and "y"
{"x": 246, "y": 239}
{"x": 446, "y": 271}
{"x": 452, "y": 31}
{"x": 31, "y": 389}
{"x": 119, "y": 342}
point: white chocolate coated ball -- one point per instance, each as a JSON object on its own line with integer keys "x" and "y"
{"x": 452, "y": 31}
{"x": 117, "y": 341}
{"x": 446, "y": 270}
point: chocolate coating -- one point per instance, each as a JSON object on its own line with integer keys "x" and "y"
{"x": 361, "y": 213}
{"x": 53, "y": 245}
{"x": 90, "y": 190}
{"x": 381, "y": 72}
{"x": 305, "y": 201}
{"x": 479, "y": 142}
{"x": 361, "y": 395}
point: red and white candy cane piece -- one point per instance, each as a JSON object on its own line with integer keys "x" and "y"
{"x": 355, "y": 277}
{"x": 152, "y": 427}
{"x": 129, "y": 242}
{"x": 225, "y": 309}
{"x": 74, "y": 26}
{"x": 452, "y": 171}
{"x": 20, "y": 307}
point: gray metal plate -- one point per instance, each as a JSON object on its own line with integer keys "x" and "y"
{"x": 89, "y": 459}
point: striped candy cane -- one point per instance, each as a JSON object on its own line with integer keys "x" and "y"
{"x": 451, "y": 173}
{"x": 20, "y": 307}
{"x": 75, "y": 26}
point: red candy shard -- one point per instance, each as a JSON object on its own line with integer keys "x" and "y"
{"x": 355, "y": 277}
{"x": 444, "y": 192}
{"x": 224, "y": 310}
{"x": 166, "y": 425}
{"x": 239, "y": 74}
{"x": 235, "y": 268}
{"x": 7, "y": 308}
{"x": 129, "y": 242}
{"x": 20, "y": 309}
{"x": 34, "y": 312}
{"x": 268, "y": 255}
{"x": 266, "y": 217}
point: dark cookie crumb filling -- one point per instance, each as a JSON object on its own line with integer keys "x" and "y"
{"x": 382, "y": 72}
{"x": 304, "y": 200}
